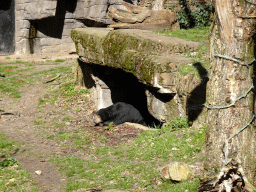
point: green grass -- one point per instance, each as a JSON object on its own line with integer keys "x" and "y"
{"x": 7, "y": 147}
{"x": 196, "y": 34}
{"x": 58, "y": 124}
{"x": 59, "y": 60}
{"x": 66, "y": 118}
{"x": 132, "y": 163}
{"x": 12, "y": 176}
{"x": 15, "y": 178}
{"x": 17, "y": 62}
{"x": 12, "y": 83}
{"x": 6, "y": 70}
{"x": 39, "y": 122}
{"x": 115, "y": 174}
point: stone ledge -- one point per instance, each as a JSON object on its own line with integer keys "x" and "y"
{"x": 153, "y": 59}
{"x": 140, "y": 52}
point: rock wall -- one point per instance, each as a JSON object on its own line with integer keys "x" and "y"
{"x": 44, "y": 26}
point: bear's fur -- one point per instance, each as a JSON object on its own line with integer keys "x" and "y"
{"x": 118, "y": 113}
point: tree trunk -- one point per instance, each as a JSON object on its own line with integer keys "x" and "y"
{"x": 229, "y": 80}
{"x": 158, "y": 5}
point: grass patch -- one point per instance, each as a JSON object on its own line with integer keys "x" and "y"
{"x": 116, "y": 174}
{"x": 66, "y": 118}
{"x": 58, "y": 124}
{"x": 132, "y": 164}
{"x": 39, "y": 122}
{"x": 12, "y": 176}
{"x": 7, "y": 147}
{"x": 15, "y": 178}
{"x": 59, "y": 60}
{"x": 12, "y": 82}
{"x": 7, "y": 70}
{"x": 195, "y": 34}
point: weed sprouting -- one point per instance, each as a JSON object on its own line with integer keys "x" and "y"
{"x": 177, "y": 123}
{"x": 110, "y": 126}
{"x": 66, "y": 118}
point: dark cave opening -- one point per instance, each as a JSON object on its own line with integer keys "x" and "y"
{"x": 124, "y": 87}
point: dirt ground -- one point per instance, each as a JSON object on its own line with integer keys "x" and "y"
{"x": 17, "y": 122}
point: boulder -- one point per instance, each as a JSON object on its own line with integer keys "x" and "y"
{"x": 176, "y": 171}
{"x": 135, "y": 17}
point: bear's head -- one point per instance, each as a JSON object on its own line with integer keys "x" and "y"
{"x": 96, "y": 118}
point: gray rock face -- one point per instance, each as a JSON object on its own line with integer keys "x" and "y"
{"x": 44, "y": 26}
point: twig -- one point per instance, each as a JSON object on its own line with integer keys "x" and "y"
{"x": 52, "y": 79}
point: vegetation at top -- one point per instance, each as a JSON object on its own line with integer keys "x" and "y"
{"x": 198, "y": 34}
{"x": 200, "y": 17}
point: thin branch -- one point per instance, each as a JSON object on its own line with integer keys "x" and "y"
{"x": 52, "y": 79}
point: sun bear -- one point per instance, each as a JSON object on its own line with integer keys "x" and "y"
{"x": 118, "y": 113}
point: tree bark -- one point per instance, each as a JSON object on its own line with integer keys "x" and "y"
{"x": 232, "y": 37}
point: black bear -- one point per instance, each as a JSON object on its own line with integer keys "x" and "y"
{"x": 118, "y": 113}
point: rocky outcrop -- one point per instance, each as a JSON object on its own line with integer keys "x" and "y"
{"x": 153, "y": 62}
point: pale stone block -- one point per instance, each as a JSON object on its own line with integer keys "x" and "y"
{"x": 22, "y": 24}
{"x": 50, "y": 41}
{"x": 22, "y": 47}
{"x": 37, "y": 46}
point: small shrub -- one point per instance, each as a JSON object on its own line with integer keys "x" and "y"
{"x": 184, "y": 19}
{"x": 178, "y": 123}
{"x": 203, "y": 16}
{"x": 199, "y": 18}
{"x": 8, "y": 162}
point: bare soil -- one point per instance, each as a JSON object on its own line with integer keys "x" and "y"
{"x": 17, "y": 122}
